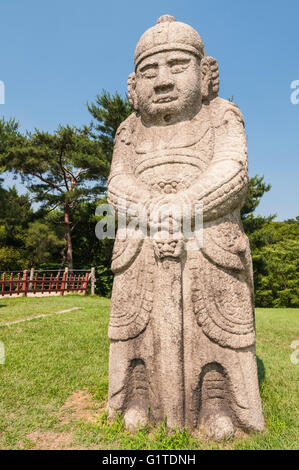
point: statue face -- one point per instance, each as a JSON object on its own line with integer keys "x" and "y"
{"x": 168, "y": 87}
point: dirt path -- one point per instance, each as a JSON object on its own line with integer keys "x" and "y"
{"x": 40, "y": 316}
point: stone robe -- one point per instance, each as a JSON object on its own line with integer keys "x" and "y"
{"x": 182, "y": 330}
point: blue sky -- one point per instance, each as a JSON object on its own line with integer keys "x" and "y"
{"x": 57, "y": 55}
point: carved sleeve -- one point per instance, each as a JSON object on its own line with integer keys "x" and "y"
{"x": 223, "y": 186}
{"x": 123, "y": 186}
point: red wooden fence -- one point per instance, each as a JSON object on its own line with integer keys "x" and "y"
{"x": 15, "y": 284}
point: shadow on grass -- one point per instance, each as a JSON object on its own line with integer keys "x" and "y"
{"x": 260, "y": 370}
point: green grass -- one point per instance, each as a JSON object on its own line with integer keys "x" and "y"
{"x": 16, "y": 308}
{"x": 50, "y": 358}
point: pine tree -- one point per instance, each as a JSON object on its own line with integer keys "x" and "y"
{"x": 108, "y": 113}
{"x": 60, "y": 169}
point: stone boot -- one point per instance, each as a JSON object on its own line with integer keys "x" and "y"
{"x": 215, "y": 415}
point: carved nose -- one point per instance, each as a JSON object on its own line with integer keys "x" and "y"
{"x": 164, "y": 87}
{"x": 164, "y": 82}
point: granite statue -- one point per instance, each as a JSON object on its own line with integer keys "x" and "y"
{"x": 182, "y": 326}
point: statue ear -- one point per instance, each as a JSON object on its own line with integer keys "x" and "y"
{"x": 209, "y": 78}
{"x": 131, "y": 91}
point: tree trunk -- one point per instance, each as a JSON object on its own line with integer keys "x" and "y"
{"x": 69, "y": 252}
{"x": 63, "y": 256}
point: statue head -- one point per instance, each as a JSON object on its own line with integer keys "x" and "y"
{"x": 173, "y": 75}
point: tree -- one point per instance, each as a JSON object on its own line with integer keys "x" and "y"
{"x": 257, "y": 188}
{"x": 108, "y": 112}
{"x": 277, "y": 284}
{"x": 293, "y": 221}
{"x": 26, "y": 237}
{"x": 90, "y": 250}
{"x": 253, "y": 225}
{"x": 9, "y": 134}
{"x": 60, "y": 169}
{"x": 41, "y": 243}
{"x": 15, "y": 215}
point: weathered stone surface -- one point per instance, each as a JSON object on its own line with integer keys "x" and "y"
{"x": 182, "y": 320}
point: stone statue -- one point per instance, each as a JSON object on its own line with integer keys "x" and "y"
{"x": 182, "y": 325}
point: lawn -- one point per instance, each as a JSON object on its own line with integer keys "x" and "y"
{"x": 53, "y": 385}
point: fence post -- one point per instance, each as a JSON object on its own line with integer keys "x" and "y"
{"x": 66, "y": 271}
{"x": 63, "y": 284}
{"x": 85, "y": 284}
{"x": 10, "y": 283}
{"x": 3, "y": 284}
{"x": 35, "y": 283}
{"x": 31, "y": 279}
{"x": 43, "y": 282}
{"x": 18, "y": 284}
{"x": 24, "y": 283}
{"x": 93, "y": 281}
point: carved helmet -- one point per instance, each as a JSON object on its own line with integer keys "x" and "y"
{"x": 168, "y": 34}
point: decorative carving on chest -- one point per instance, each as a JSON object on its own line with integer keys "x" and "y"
{"x": 169, "y": 185}
{"x": 170, "y": 163}
{"x": 181, "y": 135}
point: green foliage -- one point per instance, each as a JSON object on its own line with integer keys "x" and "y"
{"x": 12, "y": 259}
{"x": 257, "y": 188}
{"x": 27, "y": 237}
{"x": 9, "y": 135}
{"x": 42, "y": 243}
{"x": 274, "y": 248}
{"x": 293, "y": 221}
{"x": 104, "y": 280}
{"x": 60, "y": 169}
{"x": 276, "y": 264}
{"x": 15, "y": 215}
{"x": 89, "y": 250}
{"x": 108, "y": 113}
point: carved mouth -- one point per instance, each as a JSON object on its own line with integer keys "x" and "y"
{"x": 165, "y": 99}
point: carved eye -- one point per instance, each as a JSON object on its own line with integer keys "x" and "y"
{"x": 149, "y": 71}
{"x": 178, "y": 66}
{"x": 150, "y": 74}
